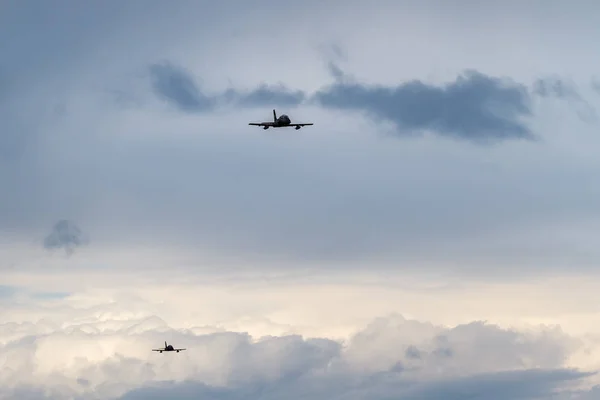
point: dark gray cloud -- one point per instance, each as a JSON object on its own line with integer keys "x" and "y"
{"x": 511, "y": 385}
{"x": 334, "y": 54}
{"x": 412, "y": 352}
{"x": 475, "y": 106}
{"x": 30, "y": 393}
{"x": 178, "y": 87}
{"x": 65, "y": 235}
{"x": 592, "y": 394}
{"x": 336, "y": 72}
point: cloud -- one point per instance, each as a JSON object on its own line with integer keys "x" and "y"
{"x": 335, "y": 71}
{"x": 555, "y": 87}
{"x": 566, "y": 90}
{"x": 65, "y": 235}
{"x": 522, "y": 385}
{"x": 175, "y": 85}
{"x": 474, "y": 107}
{"x": 266, "y": 335}
{"x": 107, "y": 354}
{"x": 529, "y": 384}
{"x": 178, "y": 87}
{"x": 255, "y": 336}
{"x": 334, "y": 54}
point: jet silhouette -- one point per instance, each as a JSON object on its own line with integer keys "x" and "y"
{"x": 281, "y": 122}
{"x": 167, "y": 347}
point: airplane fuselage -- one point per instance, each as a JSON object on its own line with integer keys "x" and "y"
{"x": 279, "y": 122}
{"x": 168, "y": 347}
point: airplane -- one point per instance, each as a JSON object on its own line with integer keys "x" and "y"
{"x": 167, "y": 347}
{"x": 280, "y": 122}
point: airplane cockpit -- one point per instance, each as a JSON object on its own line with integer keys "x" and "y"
{"x": 284, "y": 119}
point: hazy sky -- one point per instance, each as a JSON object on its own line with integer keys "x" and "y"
{"x": 431, "y": 236}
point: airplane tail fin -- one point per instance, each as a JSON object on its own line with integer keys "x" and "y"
{"x": 166, "y": 345}
{"x": 274, "y": 116}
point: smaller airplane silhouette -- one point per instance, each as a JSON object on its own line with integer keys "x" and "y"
{"x": 167, "y": 347}
{"x": 281, "y": 122}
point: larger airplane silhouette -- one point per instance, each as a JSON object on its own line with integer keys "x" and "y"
{"x": 168, "y": 347}
{"x": 281, "y": 122}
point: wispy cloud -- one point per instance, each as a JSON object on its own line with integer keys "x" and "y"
{"x": 65, "y": 235}
{"x": 555, "y": 87}
{"x": 176, "y": 86}
{"x": 565, "y": 89}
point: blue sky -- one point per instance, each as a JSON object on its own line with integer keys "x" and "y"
{"x": 449, "y": 179}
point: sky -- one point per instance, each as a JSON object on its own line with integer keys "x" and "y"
{"x": 431, "y": 236}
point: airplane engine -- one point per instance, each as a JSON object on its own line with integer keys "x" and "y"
{"x": 298, "y": 127}
{"x": 178, "y": 351}
{"x": 265, "y": 128}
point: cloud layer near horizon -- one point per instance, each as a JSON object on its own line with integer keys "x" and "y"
{"x": 98, "y": 343}
{"x": 90, "y": 335}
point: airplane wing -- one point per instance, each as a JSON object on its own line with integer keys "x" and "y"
{"x": 158, "y": 349}
{"x": 179, "y": 349}
{"x": 302, "y": 124}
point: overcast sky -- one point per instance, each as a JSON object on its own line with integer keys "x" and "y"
{"x": 450, "y": 178}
